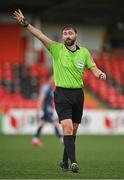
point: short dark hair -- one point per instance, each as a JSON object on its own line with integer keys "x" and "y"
{"x": 69, "y": 26}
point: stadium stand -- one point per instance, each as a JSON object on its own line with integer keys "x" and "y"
{"x": 19, "y": 85}
{"x": 19, "y": 81}
{"x": 110, "y": 92}
{"x": 91, "y": 102}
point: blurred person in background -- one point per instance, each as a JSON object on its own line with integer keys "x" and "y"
{"x": 45, "y": 112}
{"x": 69, "y": 63}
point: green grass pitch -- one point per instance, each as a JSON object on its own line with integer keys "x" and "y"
{"x": 99, "y": 157}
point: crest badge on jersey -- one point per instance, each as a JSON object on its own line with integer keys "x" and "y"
{"x": 80, "y": 64}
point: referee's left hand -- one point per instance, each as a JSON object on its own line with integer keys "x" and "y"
{"x": 102, "y": 76}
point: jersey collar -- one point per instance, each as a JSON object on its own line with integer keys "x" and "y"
{"x": 77, "y": 47}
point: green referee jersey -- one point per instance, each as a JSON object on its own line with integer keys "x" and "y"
{"x": 69, "y": 66}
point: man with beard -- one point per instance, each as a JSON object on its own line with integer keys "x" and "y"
{"x": 69, "y": 64}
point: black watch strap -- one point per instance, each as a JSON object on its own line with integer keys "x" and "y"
{"x": 24, "y": 22}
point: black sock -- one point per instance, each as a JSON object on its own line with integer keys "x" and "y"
{"x": 70, "y": 147}
{"x": 74, "y": 137}
{"x": 37, "y": 135}
{"x": 65, "y": 155}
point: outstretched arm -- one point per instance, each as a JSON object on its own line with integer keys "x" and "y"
{"x": 36, "y": 32}
{"x": 98, "y": 73}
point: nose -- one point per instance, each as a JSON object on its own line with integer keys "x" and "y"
{"x": 68, "y": 36}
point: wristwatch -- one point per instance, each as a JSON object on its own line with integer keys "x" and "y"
{"x": 24, "y": 22}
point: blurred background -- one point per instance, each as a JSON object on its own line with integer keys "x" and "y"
{"x": 25, "y": 63}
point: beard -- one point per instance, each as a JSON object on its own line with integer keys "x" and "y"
{"x": 70, "y": 42}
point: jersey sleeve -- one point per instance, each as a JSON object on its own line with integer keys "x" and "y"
{"x": 89, "y": 62}
{"x": 54, "y": 47}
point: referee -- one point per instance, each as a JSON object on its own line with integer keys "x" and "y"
{"x": 69, "y": 64}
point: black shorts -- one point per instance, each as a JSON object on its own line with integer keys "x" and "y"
{"x": 69, "y": 104}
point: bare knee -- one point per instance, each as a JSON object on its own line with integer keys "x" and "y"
{"x": 68, "y": 130}
{"x": 67, "y": 127}
{"x": 75, "y": 128}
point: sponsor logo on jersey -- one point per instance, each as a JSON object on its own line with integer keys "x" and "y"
{"x": 80, "y": 64}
